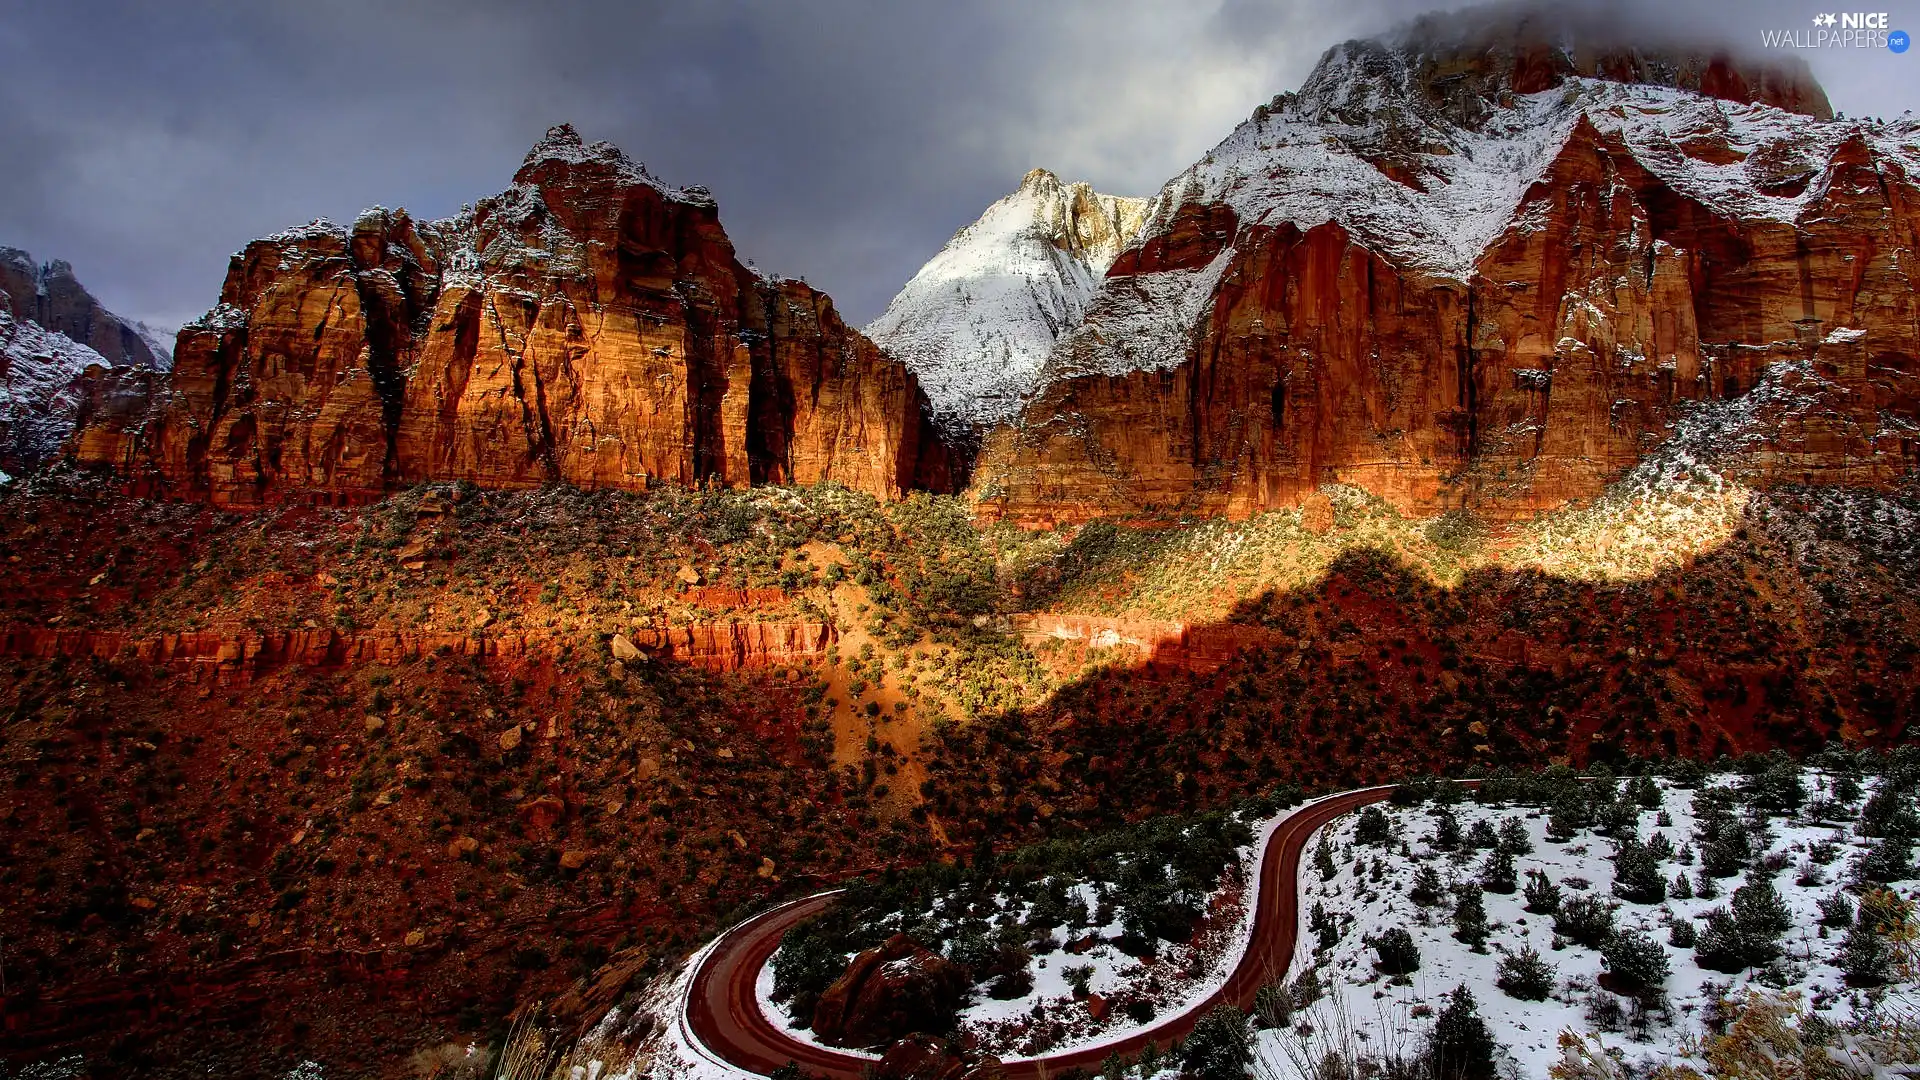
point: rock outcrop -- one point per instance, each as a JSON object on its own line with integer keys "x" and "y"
{"x": 1486, "y": 268}
{"x": 589, "y": 325}
{"x": 240, "y": 657}
{"x": 898, "y": 989}
{"x": 977, "y": 321}
{"x": 57, "y": 348}
{"x": 48, "y": 295}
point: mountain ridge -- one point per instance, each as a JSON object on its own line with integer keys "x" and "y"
{"x": 1354, "y": 287}
{"x": 590, "y": 324}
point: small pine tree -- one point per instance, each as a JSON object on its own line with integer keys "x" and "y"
{"x": 1890, "y": 859}
{"x": 1644, "y": 792}
{"x": 1326, "y": 929}
{"x": 1427, "y": 887}
{"x": 1762, "y": 915}
{"x": 1497, "y": 873}
{"x": 1704, "y": 886}
{"x": 1470, "y": 917}
{"x": 1323, "y": 862}
{"x": 1636, "y": 874}
{"x": 1460, "y": 1046}
{"x": 1721, "y": 946}
{"x": 1446, "y": 831}
{"x": 1836, "y": 910}
{"x": 1868, "y": 955}
{"x": 1865, "y": 957}
{"x": 1587, "y": 920}
{"x": 1681, "y": 889}
{"x": 1513, "y": 837}
{"x": 1543, "y": 896}
{"x": 1373, "y": 829}
{"x": 1682, "y": 935}
{"x": 1525, "y": 975}
{"x": 1481, "y": 835}
{"x": 1778, "y": 789}
{"x": 1635, "y": 959}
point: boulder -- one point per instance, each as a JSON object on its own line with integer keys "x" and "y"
{"x": 919, "y": 1057}
{"x": 625, "y": 651}
{"x": 900, "y": 988}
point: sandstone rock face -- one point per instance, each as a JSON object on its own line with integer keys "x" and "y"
{"x": 887, "y": 993}
{"x": 1488, "y": 275}
{"x": 589, "y": 325}
{"x": 241, "y": 657}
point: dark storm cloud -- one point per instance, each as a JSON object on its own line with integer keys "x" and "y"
{"x": 844, "y": 140}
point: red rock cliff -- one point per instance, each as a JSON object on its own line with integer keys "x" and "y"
{"x": 589, "y": 325}
{"x": 1415, "y": 278}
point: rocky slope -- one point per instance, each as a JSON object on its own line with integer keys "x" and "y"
{"x": 589, "y": 325}
{"x": 51, "y": 332}
{"x": 1484, "y": 264}
{"x": 976, "y": 323}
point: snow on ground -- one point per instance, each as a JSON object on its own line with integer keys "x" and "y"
{"x": 1392, "y": 1012}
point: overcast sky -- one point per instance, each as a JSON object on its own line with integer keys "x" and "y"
{"x": 845, "y": 141}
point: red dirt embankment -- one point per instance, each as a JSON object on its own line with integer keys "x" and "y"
{"x": 241, "y": 655}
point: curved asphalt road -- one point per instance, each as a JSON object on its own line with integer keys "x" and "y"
{"x": 723, "y": 1013}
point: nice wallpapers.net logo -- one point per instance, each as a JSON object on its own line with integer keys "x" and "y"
{"x": 1840, "y": 30}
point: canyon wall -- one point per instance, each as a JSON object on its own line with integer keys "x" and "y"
{"x": 1413, "y": 278}
{"x": 590, "y": 325}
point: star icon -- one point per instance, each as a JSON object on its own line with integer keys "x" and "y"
{"x": 1828, "y": 19}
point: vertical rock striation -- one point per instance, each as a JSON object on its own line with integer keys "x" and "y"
{"x": 589, "y": 325}
{"x": 1488, "y": 268}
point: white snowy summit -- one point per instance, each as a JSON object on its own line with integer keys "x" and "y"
{"x": 978, "y": 320}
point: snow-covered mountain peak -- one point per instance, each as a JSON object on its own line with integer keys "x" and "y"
{"x": 978, "y": 320}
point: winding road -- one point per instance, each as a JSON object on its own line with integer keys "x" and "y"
{"x": 723, "y": 1012}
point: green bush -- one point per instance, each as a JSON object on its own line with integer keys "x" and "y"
{"x": 1587, "y": 920}
{"x": 1397, "y": 954}
{"x": 1460, "y": 1046}
{"x": 1635, "y": 959}
{"x": 1373, "y": 829}
{"x": 1525, "y": 975}
{"x": 1470, "y": 916}
{"x": 1220, "y": 1046}
{"x": 1636, "y": 874}
{"x": 1543, "y": 896}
